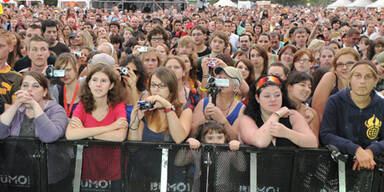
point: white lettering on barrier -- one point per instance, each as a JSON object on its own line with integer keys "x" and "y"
{"x": 18, "y": 180}
{"x": 175, "y": 187}
{"x": 102, "y": 184}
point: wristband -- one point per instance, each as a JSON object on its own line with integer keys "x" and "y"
{"x": 202, "y": 89}
{"x": 276, "y": 113}
{"x": 172, "y": 108}
{"x": 206, "y": 76}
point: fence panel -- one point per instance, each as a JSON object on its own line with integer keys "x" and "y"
{"x": 60, "y": 166}
{"x": 20, "y": 165}
{"x": 314, "y": 171}
{"x": 142, "y": 167}
{"x": 230, "y": 170}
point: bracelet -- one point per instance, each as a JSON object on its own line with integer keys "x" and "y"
{"x": 206, "y": 76}
{"x": 202, "y": 89}
{"x": 276, "y": 113}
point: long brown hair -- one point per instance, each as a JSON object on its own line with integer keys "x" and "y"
{"x": 169, "y": 79}
{"x": 115, "y": 95}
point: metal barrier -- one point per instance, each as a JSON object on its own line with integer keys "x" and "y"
{"x": 26, "y": 164}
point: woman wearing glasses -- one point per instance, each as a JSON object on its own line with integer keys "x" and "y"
{"x": 161, "y": 116}
{"x": 269, "y": 120}
{"x": 335, "y": 80}
{"x": 303, "y": 61}
{"x": 353, "y": 117}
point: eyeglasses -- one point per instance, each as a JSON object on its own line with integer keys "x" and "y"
{"x": 348, "y": 64}
{"x": 360, "y": 76}
{"x": 196, "y": 34}
{"x": 160, "y": 85}
{"x": 157, "y": 39}
{"x": 303, "y": 60}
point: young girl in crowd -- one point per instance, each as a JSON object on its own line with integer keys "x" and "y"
{"x": 299, "y": 86}
{"x": 187, "y": 96}
{"x": 69, "y": 92}
{"x": 212, "y": 132}
{"x": 100, "y": 115}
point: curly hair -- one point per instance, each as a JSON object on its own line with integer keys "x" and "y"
{"x": 141, "y": 81}
{"x": 115, "y": 95}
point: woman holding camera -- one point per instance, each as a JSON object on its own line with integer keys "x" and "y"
{"x": 68, "y": 93}
{"x": 133, "y": 79}
{"x": 227, "y": 108}
{"x": 161, "y": 116}
{"x": 100, "y": 115}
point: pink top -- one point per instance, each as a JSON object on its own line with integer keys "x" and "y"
{"x": 101, "y": 162}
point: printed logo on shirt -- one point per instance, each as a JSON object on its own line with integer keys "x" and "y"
{"x": 5, "y": 87}
{"x": 373, "y": 125}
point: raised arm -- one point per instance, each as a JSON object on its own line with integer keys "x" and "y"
{"x": 322, "y": 92}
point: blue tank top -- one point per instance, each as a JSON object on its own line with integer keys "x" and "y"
{"x": 150, "y": 136}
{"x": 231, "y": 117}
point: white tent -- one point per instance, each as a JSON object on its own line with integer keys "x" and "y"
{"x": 377, "y": 4}
{"x": 228, "y": 3}
{"x": 244, "y": 4}
{"x": 359, "y": 4}
{"x": 74, "y": 3}
{"x": 339, "y": 3}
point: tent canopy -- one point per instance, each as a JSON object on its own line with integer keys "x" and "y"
{"x": 359, "y": 3}
{"x": 377, "y": 4}
{"x": 339, "y": 3}
{"x": 244, "y": 4}
{"x": 228, "y": 3}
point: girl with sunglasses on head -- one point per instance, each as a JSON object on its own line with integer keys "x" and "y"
{"x": 269, "y": 119}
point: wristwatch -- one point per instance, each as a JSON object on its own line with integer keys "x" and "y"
{"x": 172, "y": 108}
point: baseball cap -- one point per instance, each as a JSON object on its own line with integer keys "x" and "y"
{"x": 231, "y": 72}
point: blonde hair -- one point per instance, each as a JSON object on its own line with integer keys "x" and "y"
{"x": 87, "y": 39}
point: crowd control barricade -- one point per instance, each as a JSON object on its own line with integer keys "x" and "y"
{"x": 26, "y": 164}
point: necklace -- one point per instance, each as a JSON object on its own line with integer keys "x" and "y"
{"x": 227, "y": 109}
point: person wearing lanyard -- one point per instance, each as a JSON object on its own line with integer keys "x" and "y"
{"x": 68, "y": 93}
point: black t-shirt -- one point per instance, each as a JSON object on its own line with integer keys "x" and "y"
{"x": 59, "y": 48}
{"x": 205, "y": 52}
{"x": 25, "y": 62}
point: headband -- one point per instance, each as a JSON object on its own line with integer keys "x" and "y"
{"x": 264, "y": 80}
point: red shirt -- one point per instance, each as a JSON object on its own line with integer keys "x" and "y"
{"x": 101, "y": 162}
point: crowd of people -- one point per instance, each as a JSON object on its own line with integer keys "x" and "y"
{"x": 265, "y": 77}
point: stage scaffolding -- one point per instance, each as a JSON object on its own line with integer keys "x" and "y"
{"x": 143, "y": 5}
